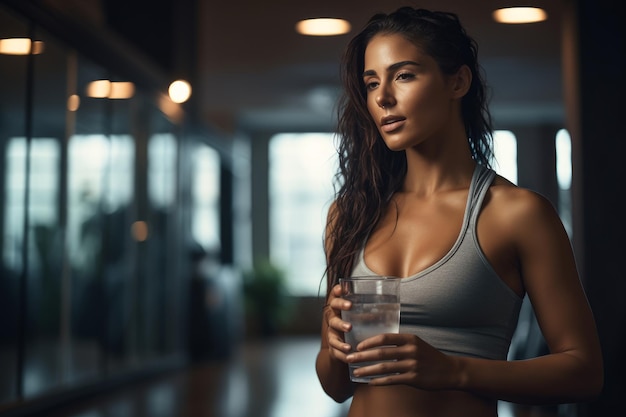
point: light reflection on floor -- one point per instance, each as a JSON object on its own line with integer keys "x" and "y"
{"x": 273, "y": 378}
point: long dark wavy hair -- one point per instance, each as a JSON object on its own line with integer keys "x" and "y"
{"x": 369, "y": 173}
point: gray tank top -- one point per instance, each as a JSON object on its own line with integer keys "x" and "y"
{"x": 460, "y": 305}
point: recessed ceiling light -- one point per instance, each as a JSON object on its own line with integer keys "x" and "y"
{"x": 20, "y": 46}
{"x": 179, "y": 91}
{"x": 323, "y": 27}
{"x": 110, "y": 89}
{"x": 516, "y": 15}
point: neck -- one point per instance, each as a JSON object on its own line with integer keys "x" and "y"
{"x": 449, "y": 167}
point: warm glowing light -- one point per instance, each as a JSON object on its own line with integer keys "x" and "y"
{"x": 323, "y": 27}
{"x": 516, "y": 15}
{"x": 73, "y": 102}
{"x": 112, "y": 90}
{"x": 179, "y": 91}
{"x": 139, "y": 231}
{"x": 99, "y": 89}
{"x": 121, "y": 90}
{"x": 20, "y": 46}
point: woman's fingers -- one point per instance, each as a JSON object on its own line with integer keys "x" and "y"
{"x": 386, "y": 339}
{"x": 336, "y": 326}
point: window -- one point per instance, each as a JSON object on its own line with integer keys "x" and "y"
{"x": 162, "y": 154}
{"x": 505, "y": 154}
{"x": 100, "y": 176}
{"x": 302, "y": 167}
{"x": 205, "y": 197}
{"x": 563, "y": 146}
{"x": 44, "y": 157}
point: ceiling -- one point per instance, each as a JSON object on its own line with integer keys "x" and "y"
{"x": 255, "y": 73}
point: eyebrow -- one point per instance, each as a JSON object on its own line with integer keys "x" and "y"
{"x": 391, "y": 67}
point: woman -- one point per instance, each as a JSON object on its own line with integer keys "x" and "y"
{"x": 418, "y": 200}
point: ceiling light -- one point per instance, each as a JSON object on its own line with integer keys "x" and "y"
{"x": 516, "y": 15}
{"x": 179, "y": 91}
{"x": 110, "y": 89}
{"x": 20, "y": 46}
{"x": 99, "y": 89}
{"x": 121, "y": 90}
{"x": 323, "y": 27}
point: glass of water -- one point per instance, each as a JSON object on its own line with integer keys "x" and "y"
{"x": 375, "y": 310}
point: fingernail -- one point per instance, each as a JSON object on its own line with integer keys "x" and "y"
{"x": 347, "y": 304}
{"x": 349, "y": 357}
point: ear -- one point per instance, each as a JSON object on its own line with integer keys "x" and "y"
{"x": 461, "y": 81}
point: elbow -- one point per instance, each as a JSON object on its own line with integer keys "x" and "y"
{"x": 596, "y": 378}
{"x": 338, "y": 395}
{"x": 339, "y": 398}
{"x": 596, "y": 384}
{"x": 592, "y": 383}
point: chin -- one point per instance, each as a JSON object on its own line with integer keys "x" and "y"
{"x": 396, "y": 146}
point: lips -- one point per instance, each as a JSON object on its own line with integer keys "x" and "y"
{"x": 391, "y": 123}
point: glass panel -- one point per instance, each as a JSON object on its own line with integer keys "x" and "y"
{"x": 100, "y": 213}
{"x": 162, "y": 156}
{"x": 12, "y": 185}
{"x": 158, "y": 264}
{"x": 205, "y": 197}
{"x": 77, "y": 181}
{"x": 86, "y": 240}
{"x": 298, "y": 212}
{"x": 122, "y": 278}
{"x": 87, "y": 153}
{"x": 45, "y": 333}
{"x": 119, "y": 279}
{"x": 45, "y": 253}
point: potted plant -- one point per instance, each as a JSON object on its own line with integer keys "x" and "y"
{"x": 266, "y": 298}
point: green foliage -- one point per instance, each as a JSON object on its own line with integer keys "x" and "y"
{"x": 266, "y": 296}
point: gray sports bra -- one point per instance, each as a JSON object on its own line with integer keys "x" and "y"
{"x": 460, "y": 305}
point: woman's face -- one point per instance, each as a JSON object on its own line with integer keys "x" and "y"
{"x": 408, "y": 96}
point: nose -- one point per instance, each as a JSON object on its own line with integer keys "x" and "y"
{"x": 384, "y": 99}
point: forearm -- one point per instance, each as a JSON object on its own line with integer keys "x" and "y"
{"x": 333, "y": 376}
{"x": 550, "y": 379}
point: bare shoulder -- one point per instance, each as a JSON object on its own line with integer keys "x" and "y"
{"x": 524, "y": 213}
{"x": 511, "y": 202}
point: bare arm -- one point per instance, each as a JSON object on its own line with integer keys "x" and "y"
{"x": 530, "y": 239}
{"x": 332, "y": 370}
{"x": 331, "y": 366}
{"x": 573, "y": 370}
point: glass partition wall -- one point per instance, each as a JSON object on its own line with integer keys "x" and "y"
{"x": 91, "y": 253}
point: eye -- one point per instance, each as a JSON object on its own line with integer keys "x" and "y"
{"x": 370, "y": 85}
{"x": 403, "y": 76}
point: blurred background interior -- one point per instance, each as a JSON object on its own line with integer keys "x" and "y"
{"x": 161, "y": 252}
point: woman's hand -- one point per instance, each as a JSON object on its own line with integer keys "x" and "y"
{"x": 331, "y": 364}
{"x": 336, "y": 327}
{"x": 407, "y": 360}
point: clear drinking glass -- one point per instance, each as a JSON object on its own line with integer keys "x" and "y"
{"x": 375, "y": 310}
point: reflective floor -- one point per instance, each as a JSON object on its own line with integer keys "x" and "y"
{"x": 275, "y": 378}
{"x": 272, "y": 378}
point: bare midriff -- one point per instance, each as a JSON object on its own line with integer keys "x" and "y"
{"x": 405, "y": 401}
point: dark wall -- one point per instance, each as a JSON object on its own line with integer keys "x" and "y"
{"x": 594, "y": 52}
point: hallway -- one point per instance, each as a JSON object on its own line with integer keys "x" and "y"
{"x": 275, "y": 378}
